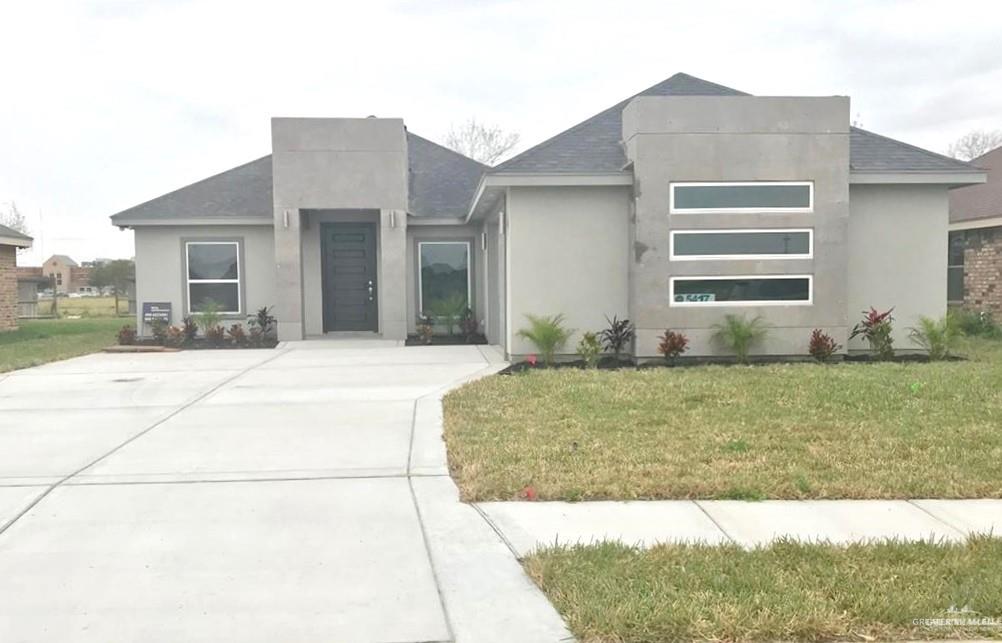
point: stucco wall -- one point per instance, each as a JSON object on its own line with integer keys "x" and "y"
{"x": 160, "y": 270}
{"x": 700, "y": 138}
{"x": 569, "y": 254}
{"x": 898, "y": 254}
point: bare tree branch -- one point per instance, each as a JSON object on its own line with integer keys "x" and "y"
{"x": 481, "y": 142}
{"x": 11, "y": 217}
{"x": 974, "y": 144}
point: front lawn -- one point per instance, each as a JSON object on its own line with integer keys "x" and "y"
{"x": 890, "y": 430}
{"x": 46, "y": 340}
{"x": 812, "y": 592}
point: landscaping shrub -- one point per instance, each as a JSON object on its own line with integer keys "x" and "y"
{"x": 189, "y": 328}
{"x": 208, "y": 318}
{"x": 175, "y": 336}
{"x": 617, "y": 336}
{"x": 449, "y": 311}
{"x": 876, "y": 329}
{"x": 547, "y": 334}
{"x": 216, "y": 335}
{"x": 739, "y": 334}
{"x": 589, "y": 348}
{"x": 469, "y": 325}
{"x": 977, "y": 323}
{"x": 822, "y": 346}
{"x": 159, "y": 330}
{"x": 237, "y": 335}
{"x": 425, "y": 328}
{"x": 126, "y": 335}
{"x": 262, "y": 326}
{"x": 672, "y": 345}
{"x": 937, "y": 336}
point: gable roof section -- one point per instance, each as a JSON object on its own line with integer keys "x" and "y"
{"x": 980, "y": 201}
{"x": 595, "y": 145}
{"x": 243, "y": 192}
{"x": 442, "y": 182}
{"x": 11, "y": 237}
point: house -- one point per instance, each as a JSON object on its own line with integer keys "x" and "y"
{"x": 975, "y": 255}
{"x": 10, "y": 241}
{"x": 674, "y": 207}
{"x": 68, "y": 275}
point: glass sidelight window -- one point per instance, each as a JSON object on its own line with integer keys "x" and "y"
{"x": 741, "y": 291}
{"x": 213, "y": 275}
{"x": 748, "y": 196}
{"x": 444, "y": 288}
{"x": 955, "y": 268}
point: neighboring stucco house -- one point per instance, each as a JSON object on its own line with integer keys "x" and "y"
{"x": 975, "y": 262}
{"x": 674, "y": 207}
{"x": 10, "y": 241}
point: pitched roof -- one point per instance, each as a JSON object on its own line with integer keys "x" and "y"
{"x": 66, "y": 260}
{"x": 244, "y": 192}
{"x": 10, "y": 234}
{"x": 982, "y": 201}
{"x": 595, "y": 145}
{"x": 442, "y": 181}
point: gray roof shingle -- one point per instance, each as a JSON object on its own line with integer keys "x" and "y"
{"x": 11, "y": 233}
{"x": 442, "y": 183}
{"x": 595, "y": 145}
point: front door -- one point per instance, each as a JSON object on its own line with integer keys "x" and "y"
{"x": 349, "y": 276}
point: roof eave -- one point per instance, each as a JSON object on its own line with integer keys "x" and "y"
{"x": 17, "y": 242}
{"x": 127, "y": 222}
{"x": 956, "y": 179}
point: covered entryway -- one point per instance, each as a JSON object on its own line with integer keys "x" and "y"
{"x": 349, "y": 277}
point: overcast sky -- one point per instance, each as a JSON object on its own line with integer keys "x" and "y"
{"x": 109, "y": 103}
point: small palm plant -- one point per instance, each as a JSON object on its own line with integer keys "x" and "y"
{"x": 548, "y": 334}
{"x": 937, "y": 336}
{"x": 739, "y": 334}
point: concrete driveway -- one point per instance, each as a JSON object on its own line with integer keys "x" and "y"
{"x": 299, "y": 494}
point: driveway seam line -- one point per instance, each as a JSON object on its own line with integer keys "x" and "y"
{"x": 496, "y": 530}
{"x": 186, "y": 405}
{"x": 410, "y": 443}
{"x": 960, "y": 531}
{"x": 431, "y": 562}
{"x": 714, "y": 521}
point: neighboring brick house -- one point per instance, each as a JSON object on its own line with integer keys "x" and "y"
{"x": 70, "y": 277}
{"x": 975, "y": 244}
{"x": 10, "y": 241}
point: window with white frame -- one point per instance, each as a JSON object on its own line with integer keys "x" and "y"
{"x": 444, "y": 288}
{"x": 742, "y": 244}
{"x": 744, "y": 196}
{"x": 746, "y": 290}
{"x": 213, "y": 276}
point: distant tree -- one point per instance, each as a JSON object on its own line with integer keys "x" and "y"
{"x": 481, "y": 142}
{"x": 11, "y": 217}
{"x": 116, "y": 274}
{"x": 974, "y": 144}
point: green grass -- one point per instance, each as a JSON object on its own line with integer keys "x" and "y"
{"x": 807, "y": 592}
{"x": 47, "y": 340}
{"x": 891, "y": 430}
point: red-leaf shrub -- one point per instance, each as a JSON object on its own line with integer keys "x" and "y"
{"x": 672, "y": 345}
{"x": 822, "y": 345}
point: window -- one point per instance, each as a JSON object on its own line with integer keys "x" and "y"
{"x": 749, "y": 291}
{"x": 213, "y": 271}
{"x": 742, "y": 244}
{"x": 444, "y": 278}
{"x": 955, "y": 268}
{"x": 761, "y": 196}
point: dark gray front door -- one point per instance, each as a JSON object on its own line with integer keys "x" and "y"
{"x": 349, "y": 276}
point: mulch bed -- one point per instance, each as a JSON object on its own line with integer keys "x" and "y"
{"x": 446, "y": 340}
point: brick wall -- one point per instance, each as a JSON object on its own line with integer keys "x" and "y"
{"x": 8, "y": 288}
{"x": 983, "y": 270}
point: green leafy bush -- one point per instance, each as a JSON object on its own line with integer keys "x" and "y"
{"x": 739, "y": 334}
{"x": 977, "y": 323}
{"x": 208, "y": 318}
{"x": 938, "y": 337}
{"x": 547, "y": 334}
{"x": 589, "y": 348}
{"x": 876, "y": 329}
{"x": 449, "y": 311}
{"x": 159, "y": 330}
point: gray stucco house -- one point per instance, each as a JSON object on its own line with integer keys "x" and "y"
{"x": 674, "y": 207}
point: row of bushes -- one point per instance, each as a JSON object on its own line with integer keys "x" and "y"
{"x": 260, "y": 330}
{"x": 739, "y": 334}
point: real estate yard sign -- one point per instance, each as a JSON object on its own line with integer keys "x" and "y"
{"x": 156, "y": 311}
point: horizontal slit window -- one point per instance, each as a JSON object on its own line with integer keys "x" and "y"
{"x": 741, "y": 244}
{"x": 730, "y": 291}
{"x": 760, "y": 196}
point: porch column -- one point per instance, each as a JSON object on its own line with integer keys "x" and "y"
{"x": 393, "y": 274}
{"x": 288, "y": 273}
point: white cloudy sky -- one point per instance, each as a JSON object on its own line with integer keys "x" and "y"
{"x": 108, "y": 103}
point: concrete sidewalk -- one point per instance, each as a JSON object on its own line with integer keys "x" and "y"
{"x": 294, "y": 495}
{"x": 529, "y": 525}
